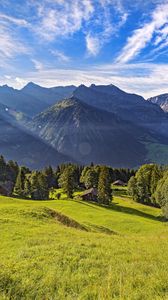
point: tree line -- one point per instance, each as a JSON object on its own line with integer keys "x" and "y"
{"x": 35, "y": 184}
{"x": 150, "y": 186}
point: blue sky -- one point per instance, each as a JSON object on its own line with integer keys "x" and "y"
{"x": 60, "y": 42}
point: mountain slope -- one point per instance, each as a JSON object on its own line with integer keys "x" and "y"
{"x": 89, "y": 134}
{"x": 20, "y": 145}
{"x": 161, "y": 100}
{"x": 130, "y": 107}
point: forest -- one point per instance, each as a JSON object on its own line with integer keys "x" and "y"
{"x": 147, "y": 185}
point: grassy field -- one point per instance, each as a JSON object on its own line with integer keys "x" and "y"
{"x": 64, "y": 249}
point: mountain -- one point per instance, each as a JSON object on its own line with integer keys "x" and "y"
{"x": 161, "y": 100}
{"x": 49, "y": 96}
{"x": 18, "y": 144}
{"x": 17, "y": 100}
{"x": 32, "y": 99}
{"x": 88, "y": 134}
{"x": 130, "y": 107}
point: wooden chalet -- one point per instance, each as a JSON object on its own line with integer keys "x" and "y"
{"x": 89, "y": 195}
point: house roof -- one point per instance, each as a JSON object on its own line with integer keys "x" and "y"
{"x": 118, "y": 182}
{"x": 92, "y": 191}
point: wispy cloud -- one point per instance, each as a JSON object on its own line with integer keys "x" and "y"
{"x": 61, "y": 18}
{"x": 37, "y": 64}
{"x": 10, "y": 46}
{"x": 143, "y": 35}
{"x": 92, "y": 44}
{"x": 95, "y": 41}
{"x": 60, "y": 56}
{"x": 134, "y": 78}
{"x": 16, "y": 21}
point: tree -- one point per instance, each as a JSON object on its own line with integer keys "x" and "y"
{"x": 27, "y": 186}
{"x": 132, "y": 188}
{"x": 50, "y": 176}
{"x": 104, "y": 186}
{"x": 19, "y": 185}
{"x": 12, "y": 170}
{"x": 161, "y": 194}
{"x": 90, "y": 176}
{"x": 43, "y": 189}
{"x": 38, "y": 186}
{"x": 68, "y": 180}
{"x": 143, "y": 185}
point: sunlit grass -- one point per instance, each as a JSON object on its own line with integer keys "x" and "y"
{"x": 122, "y": 255}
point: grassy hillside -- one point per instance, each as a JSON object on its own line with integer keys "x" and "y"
{"x": 88, "y": 252}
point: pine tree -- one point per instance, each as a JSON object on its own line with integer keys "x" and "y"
{"x": 68, "y": 180}
{"x": 20, "y": 181}
{"x": 43, "y": 189}
{"x": 27, "y": 186}
{"x": 12, "y": 170}
{"x": 104, "y": 187}
{"x": 132, "y": 188}
{"x": 50, "y": 176}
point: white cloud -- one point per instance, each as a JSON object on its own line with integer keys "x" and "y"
{"x": 143, "y": 35}
{"x": 93, "y": 44}
{"x": 20, "y": 82}
{"x": 7, "y": 76}
{"x": 60, "y": 56}
{"x": 37, "y": 64}
{"x": 16, "y": 21}
{"x": 10, "y": 46}
{"x": 62, "y": 19}
{"x": 134, "y": 78}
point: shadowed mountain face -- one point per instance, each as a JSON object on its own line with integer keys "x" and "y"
{"x": 32, "y": 99}
{"x": 129, "y": 107}
{"x": 20, "y": 145}
{"x": 161, "y": 100}
{"x": 89, "y": 134}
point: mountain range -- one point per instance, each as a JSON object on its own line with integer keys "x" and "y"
{"x": 33, "y": 99}
{"x": 100, "y": 124}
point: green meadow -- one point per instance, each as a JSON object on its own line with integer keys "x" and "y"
{"x": 76, "y": 250}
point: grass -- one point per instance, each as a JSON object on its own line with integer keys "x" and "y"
{"x": 64, "y": 249}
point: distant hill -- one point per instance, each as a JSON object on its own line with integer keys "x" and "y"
{"x": 89, "y": 134}
{"x": 161, "y": 100}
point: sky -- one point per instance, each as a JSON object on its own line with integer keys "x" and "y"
{"x": 64, "y": 42}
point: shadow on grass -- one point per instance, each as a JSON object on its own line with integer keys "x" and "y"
{"x": 132, "y": 211}
{"x": 91, "y": 204}
{"x": 126, "y": 210}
